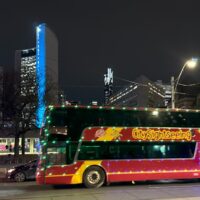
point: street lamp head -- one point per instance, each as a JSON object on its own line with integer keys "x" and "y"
{"x": 192, "y": 63}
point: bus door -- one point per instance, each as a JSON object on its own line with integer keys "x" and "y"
{"x": 55, "y": 158}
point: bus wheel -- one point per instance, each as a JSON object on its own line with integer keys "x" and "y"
{"x": 94, "y": 177}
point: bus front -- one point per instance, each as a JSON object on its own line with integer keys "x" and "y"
{"x": 67, "y": 158}
{"x": 58, "y": 151}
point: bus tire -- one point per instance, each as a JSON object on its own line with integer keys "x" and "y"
{"x": 94, "y": 177}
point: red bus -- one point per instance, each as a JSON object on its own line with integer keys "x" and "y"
{"x": 96, "y": 145}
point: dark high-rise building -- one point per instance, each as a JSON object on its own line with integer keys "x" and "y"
{"x": 188, "y": 97}
{"x": 61, "y": 97}
{"x": 1, "y": 94}
{"x": 168, "y": 92}
{"x": 8, "y": 92}
{"x": 141, "y": 93}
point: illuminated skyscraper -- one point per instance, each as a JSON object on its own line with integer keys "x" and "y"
{"x": 25, "y": 81}
{"x": 25, "y": 64}
{"x": 36, "y": 70}
{"x": 108, "y": 85}
{"x": 46, "y": 69}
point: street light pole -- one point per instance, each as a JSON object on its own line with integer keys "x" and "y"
{"x": 190, "y": 64}
{"x": 176, "y": 84}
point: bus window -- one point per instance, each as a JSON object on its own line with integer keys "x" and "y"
{"x": 114, "y": 151}
{"x": 180, "y": 150}
{"x": 170, "y": 150}
{"x": 92, "y": 151}
{"x": 56, "y": 155}
{"x": 123, "y": 150}
{"x": 71, "y": 151}
{"x": 89, "y": 153}
{"x": 132, "y": 151}
{"x": 155, "y": 151}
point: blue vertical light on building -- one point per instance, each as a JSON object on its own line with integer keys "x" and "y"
{"x": 40, "y": 73}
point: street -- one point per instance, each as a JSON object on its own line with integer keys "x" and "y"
{"x": 189, "y": 190}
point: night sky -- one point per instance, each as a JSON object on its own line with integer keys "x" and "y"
{"x": 153, "y": 38}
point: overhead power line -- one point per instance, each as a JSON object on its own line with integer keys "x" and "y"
{"x": 126, "y": 80}
{"x": 189, "y": 85}
{"x": 89, "y": 86}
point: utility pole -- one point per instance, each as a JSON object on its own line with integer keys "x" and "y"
{"x": 173, "y": 92}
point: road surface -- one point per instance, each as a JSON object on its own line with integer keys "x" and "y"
{"x": 189, "y": 190}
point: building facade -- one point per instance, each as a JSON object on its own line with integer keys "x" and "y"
{"x": 141, "y": 93}
{"x": 168, "y": 93}
{"x": 188, "y": 97}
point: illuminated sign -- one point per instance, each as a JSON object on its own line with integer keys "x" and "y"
{"x": 161, "y": 134}
{"x": 139, "y": 134}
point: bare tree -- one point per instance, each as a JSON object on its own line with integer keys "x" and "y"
{"x": 21, "y": 104}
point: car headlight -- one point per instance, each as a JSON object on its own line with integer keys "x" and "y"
{"x": 10, "y": 170}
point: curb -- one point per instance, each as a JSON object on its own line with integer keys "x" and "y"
{"x": 3, "y": 170}
{"x": 3, "y": 174}
{"x": 4, "y": 180}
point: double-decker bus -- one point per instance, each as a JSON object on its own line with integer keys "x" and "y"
{"x": 96, "y": 145}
